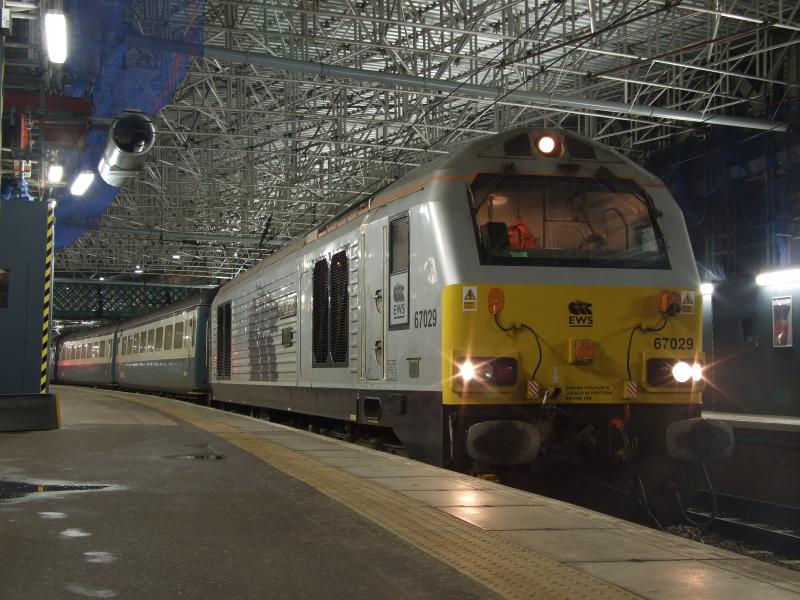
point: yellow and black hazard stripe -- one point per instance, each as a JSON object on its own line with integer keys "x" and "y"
{"x": 48, "y": 288}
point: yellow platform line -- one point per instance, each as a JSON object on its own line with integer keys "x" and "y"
{"x": 511, "y": 570}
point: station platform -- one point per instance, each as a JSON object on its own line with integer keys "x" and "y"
{"x": 146, "y": 497}
{"x": 755, "y": 422}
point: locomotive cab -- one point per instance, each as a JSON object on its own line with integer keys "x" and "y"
{"x": 600, "y": 314}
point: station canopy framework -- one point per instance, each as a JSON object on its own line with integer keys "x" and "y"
{"x": 254, "y": 151}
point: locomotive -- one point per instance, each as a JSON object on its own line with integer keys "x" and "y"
{"x": 530, "y": 299}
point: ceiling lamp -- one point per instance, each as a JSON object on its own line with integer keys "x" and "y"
{"x": 55, "y": 173}
{"x": 55, "y": 36}
{"x": 778, "y": 277}
{"x": 81, "y": 183}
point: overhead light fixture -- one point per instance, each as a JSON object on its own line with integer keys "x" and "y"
{"x": 778, "y": 277}
{"x": 138, "y": 271}
{"x": 176, "y": 256}
{"x": 102, "y": 279}
{"x": 55, "y": 173}
{"x": 81, "y": 183}
{"x": 706, "y": 288}
{"x": 55, "y": 35}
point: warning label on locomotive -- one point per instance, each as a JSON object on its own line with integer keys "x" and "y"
{"x": 687, "y": 302}
{"x": 587, "y": 393}
{"x": 470, "y": 296}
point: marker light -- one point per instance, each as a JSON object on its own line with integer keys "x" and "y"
{"x": 81, "y": 183}
{"x": 467, "y": 370}
{"x": 776, "y": 277}
{"x": 697, "y": 372}
{"x": 682, "y": 372}
{"x": 55, "y": 35}
{"x": 546, "y": 144}
{"x": 55, "y": 173}
{"x": 706, "y": 289}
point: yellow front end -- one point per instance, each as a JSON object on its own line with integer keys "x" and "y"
{"x": 596, "y": 344}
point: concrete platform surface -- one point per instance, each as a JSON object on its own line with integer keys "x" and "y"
{"x": 145, "y": 497}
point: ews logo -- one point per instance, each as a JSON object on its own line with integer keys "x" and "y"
{"x": 580, "y": 314}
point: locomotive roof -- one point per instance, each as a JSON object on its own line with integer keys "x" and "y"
{"x": 452, "y": 164}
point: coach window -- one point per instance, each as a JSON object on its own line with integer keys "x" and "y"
{"x": 151, "y": 340}
{"x": 177, "y": 341}
{"x": 168, "y": 337}
{"x": 102, "y": 348}
{"x": 136, "y": 343}
{"x": 124, "y": 345}
{"x": 3, "y": 288}
{"x": 191, "y": 331}
{"x": 398, "y": 272}
{"x": 160, "y": 338}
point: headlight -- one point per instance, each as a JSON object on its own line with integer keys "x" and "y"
{"x": 488, "y": 371}
{"x": 466, "y": 371}
{"x": 548, "y": 145}
{"x": 663, "y": 372}
{"x": 681, "y": 372}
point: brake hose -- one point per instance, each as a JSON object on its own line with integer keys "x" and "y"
{"x": 714, "y": 508}
{"x": 517, "y": 329}
{"x": 630, "y": 341}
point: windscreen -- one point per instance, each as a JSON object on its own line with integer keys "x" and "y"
{"x": 566, "y": 221}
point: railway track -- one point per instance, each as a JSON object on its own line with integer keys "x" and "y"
{"x": 774, "y": 527}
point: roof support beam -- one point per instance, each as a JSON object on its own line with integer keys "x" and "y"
{"x": 478, "y": 91}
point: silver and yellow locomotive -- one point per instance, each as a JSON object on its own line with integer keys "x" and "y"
{"x": 531, "y": 297}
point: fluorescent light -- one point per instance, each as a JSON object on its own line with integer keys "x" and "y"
{"x": 55, "y": 35}
{"x": 138, "y": 271}
{"x": 81, "y": 183}
{"x": 176, "y": 256}
{"x": 706, "y": 289}
{"x": 102, "y": 279}
{"x": 55, "y": 173}
{"x": 776, "y": 277}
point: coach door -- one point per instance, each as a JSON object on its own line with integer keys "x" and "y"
{"x": 373, "y": 242}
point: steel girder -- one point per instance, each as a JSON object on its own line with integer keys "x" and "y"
{"x": 250, "y": 157}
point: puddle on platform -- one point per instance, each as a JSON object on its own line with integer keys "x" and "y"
{"x": 205, "y": 456}
{"x": 10, "y": 490}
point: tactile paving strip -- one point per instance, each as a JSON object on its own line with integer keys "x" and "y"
{"x": 499, "y": 564}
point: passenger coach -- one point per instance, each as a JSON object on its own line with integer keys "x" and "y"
{"x": 166, "y": 350}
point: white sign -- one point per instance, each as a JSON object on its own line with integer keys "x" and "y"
{"x": 398, "y": 299}
{"x": 782, "y": 322}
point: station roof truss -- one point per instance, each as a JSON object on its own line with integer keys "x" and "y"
{"x": 250, "y": 155}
